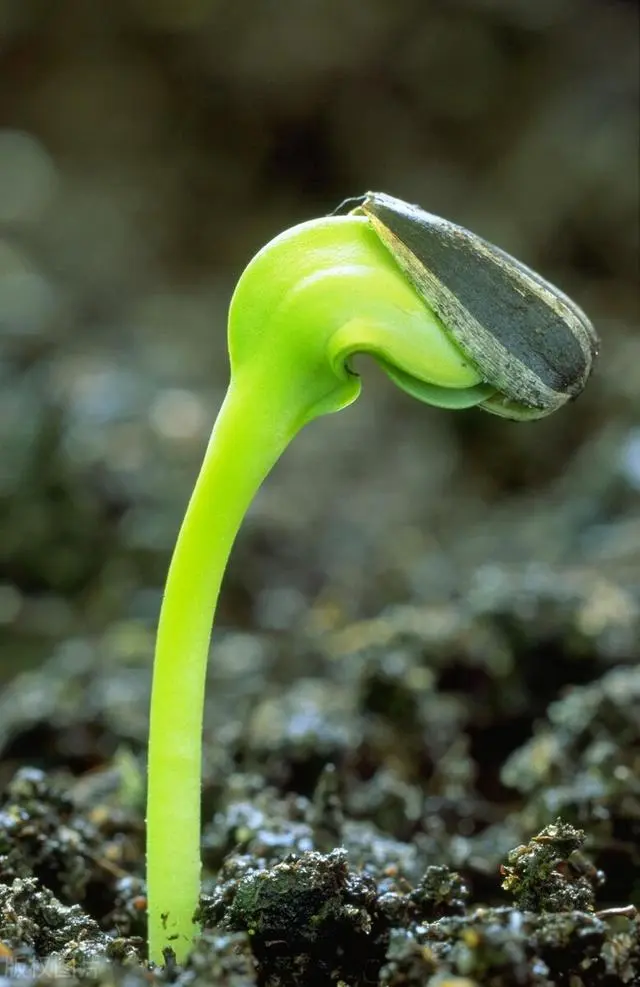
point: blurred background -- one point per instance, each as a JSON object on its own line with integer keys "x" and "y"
{"x": 148, "y": 148}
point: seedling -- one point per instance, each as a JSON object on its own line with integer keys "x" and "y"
{"x": 453, "y": 320}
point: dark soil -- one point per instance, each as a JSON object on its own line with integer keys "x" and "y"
{"x": 421, "y": 806}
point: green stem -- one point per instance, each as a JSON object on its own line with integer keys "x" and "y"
{"x": 249, "y": 435}
{"x": 303, "y": 305}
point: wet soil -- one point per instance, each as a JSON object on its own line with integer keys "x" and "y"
{"x": 444, "y": 795}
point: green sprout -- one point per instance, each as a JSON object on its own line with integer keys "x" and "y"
{"x": 453, "y": 320}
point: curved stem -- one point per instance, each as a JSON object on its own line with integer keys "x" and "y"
{"x": 306, "y": 302}
{"x": 249, "y": 435}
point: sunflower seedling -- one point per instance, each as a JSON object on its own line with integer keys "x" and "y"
{"x": 453, "y": 320}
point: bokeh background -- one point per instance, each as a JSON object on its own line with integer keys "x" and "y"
{"x": 149, "y": 147}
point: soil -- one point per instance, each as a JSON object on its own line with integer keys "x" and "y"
{"x": 420, "y": 806}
